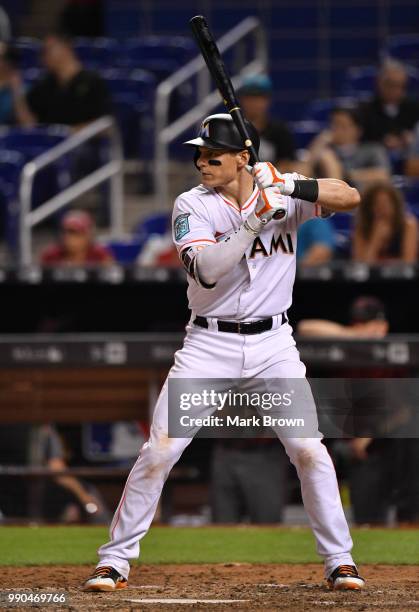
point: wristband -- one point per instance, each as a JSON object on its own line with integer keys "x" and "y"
{"x": 306, "y": 190}
{"x": 253, "y": 230}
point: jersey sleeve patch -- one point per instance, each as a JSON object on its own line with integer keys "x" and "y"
{"x": 181, "y": 226}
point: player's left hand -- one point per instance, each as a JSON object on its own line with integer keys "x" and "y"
{"x": 266, "y": 175}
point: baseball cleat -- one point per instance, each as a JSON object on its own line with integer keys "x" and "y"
{"x": 105, "y": 578}
{"x": 345, "y": 578}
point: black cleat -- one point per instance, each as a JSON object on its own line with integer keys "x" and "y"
{"x": 345, "y": 578}
{"x": 105, "y": 578}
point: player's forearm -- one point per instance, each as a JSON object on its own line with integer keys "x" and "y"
{"x": 337, "y": 195}
{"x": 219, "y": 259}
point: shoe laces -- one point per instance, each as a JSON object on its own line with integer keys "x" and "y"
{"x": 348, "y": 569}
{"x": 103, "y": 571}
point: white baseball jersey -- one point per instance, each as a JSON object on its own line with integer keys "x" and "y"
{"x": 261, "y": 285}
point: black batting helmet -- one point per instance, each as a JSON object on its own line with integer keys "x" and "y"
{"x": 220, "y": 132}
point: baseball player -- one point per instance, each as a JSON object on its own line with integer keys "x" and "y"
{"x": 236, "y": 236}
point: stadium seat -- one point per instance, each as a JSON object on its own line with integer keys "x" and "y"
{"x": 319, "y": 110}
{"x": 176, "y": 48}
{"x": 359, "y": 82}
{"x": 404, "y": 47}
{"x": 97, "y": 53}
{"x": 32, "y": 141}
{"x": 133, "y": 101}
{"x": 305, "y": 131}
{"x": 29, "y": 52}
{"x": 11, "y": 164}
{"x": 125, "y": 252}
{"x": 154, "y": 224}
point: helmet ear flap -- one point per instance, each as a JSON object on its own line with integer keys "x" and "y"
{"x": 196, "y": 157}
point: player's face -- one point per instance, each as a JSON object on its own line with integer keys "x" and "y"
{"x": 224, "y": 171}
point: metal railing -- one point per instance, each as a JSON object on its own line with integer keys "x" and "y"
{"x": 112, "y": 171}
{"x": 164, "y": 133}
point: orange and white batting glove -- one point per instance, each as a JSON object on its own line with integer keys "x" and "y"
{"x": 270, "y": 205}
{"x": 266, "y": 175}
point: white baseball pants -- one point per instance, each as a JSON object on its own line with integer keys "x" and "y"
{"x": 207, "y": 353}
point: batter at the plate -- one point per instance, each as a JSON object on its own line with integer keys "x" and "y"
{"x": 236, "y": 234}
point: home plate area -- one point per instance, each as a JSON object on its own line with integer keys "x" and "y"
{"x": 236, "y": 586}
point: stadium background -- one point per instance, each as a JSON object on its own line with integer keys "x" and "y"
{"x": 80, "y": 351}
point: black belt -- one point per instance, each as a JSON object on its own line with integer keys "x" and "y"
{"x": 237, "y": 327}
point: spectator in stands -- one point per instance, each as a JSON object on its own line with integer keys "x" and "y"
{"x": 65, "y": 497}
{"x": 13, "y": 109}
{"x": 367, "y": 320}
{"x": 412, "y": 162}
{"x": 76, "y": 246}
{"x": 315, "y": 242}
{"x": 68, "y": 94}
{"x": 338, "y": 152}
{"x": 390, "y": 115}
{"x": 384, "y": 230}
{"x": 276, "y": 142}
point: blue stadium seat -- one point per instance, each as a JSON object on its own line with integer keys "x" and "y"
{"x": 359, "y": 82}
{"x": 154, "y": 224}
{"x": 29, "y": 52}
{"x": 177, "y": 48}
{"x": 305, "y": 131}
{"x": 404, "y": 47}
{"x": 11, "y": 164}
{"x": 133, "y": 95}
{"x": 97, "y": 53}
{"x": 125, "y": 252}
{"x": 32, "y": 141}
{"x": 319, "y": 110}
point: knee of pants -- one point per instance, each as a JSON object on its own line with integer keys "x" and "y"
{"x": 306, "y": 454}
{"x": 163, "y": 452}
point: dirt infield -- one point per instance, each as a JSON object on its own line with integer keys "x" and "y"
{"x": 253, "y": 587}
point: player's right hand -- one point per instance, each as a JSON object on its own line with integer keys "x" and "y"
{"x": 266, "y": 175}
{"x": 270, "y": 205}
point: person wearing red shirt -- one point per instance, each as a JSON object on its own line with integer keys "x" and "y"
{"x": 76, "y": 246}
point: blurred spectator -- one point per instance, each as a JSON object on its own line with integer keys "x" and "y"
{"x": 83, "y": 18}
{"x": 390, "y": 115}
{"x": 339, "y": 152}
{"x": 315, "y": 242}
{"x": 13, "y": 108}
{"x": 384, "y": 230}
{"x": 367, "y": 320}
{"x": 248, "y": 481}
{"x": 276, "y": 142}
{"x": 68, "y": 94}
{"x": 5, "y": 29}
{"x": 64, "y": 497}
{"x": 412, "y": 162}
{"x": 77, "y": 246}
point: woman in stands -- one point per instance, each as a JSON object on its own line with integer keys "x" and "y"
{"x": 384, "y": 230}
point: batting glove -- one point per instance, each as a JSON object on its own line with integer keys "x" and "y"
{"x": 266, "y": 175}
{"x": 270, "y": 205}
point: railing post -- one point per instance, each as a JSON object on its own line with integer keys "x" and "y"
{"x": 25, "y": 197}
{"x": 117, "y": 185}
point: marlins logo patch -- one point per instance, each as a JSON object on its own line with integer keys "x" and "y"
{"x": 181, "y": 226}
